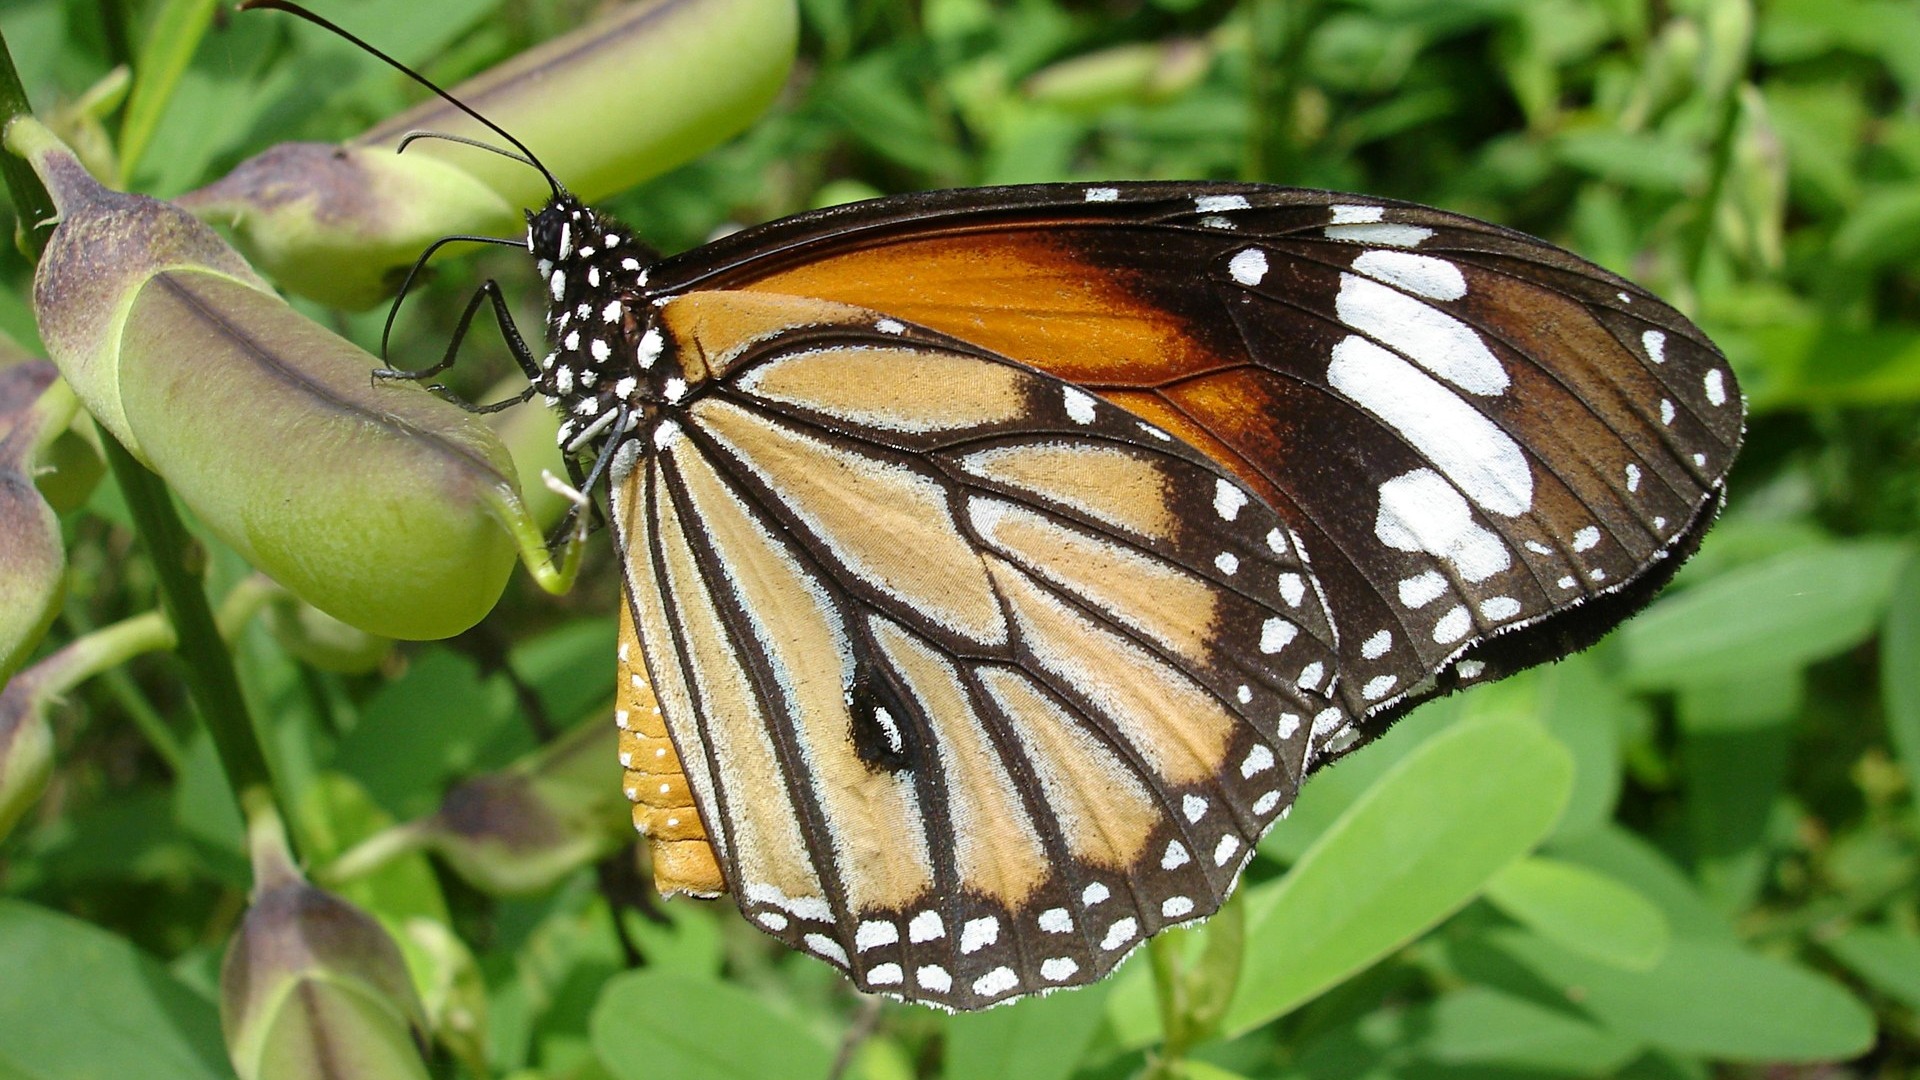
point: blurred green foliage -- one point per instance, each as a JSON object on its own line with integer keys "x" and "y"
{"x": 1726, "y": 794}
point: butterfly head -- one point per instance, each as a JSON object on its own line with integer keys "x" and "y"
{"x": 606, "y": 360}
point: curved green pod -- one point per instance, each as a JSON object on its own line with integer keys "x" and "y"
{"x": 376, "y": 502}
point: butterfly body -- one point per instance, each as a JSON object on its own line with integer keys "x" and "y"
{"x": 1000, "y": 562}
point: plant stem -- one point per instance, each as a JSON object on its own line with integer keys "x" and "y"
{"x": 31, "y": 203}
{"x": 209, "y": 673}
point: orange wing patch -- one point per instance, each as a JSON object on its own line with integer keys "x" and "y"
{"x": 663, "y": 810}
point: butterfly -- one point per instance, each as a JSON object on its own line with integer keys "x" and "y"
{"x": 999, "y": 562}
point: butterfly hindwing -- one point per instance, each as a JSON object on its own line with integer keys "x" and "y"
{"x": 1492, "y": 449}
{"x": 978, "y": 680}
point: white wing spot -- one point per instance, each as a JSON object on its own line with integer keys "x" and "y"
{"x": 996, "y": 982}
{"x": 1586, "y": 539}
{"x": 1311, "y": 675}
{"x": 1277, "y": 541}
{"x": 1700, "y": 460}
{"x": 1079, "y": 406}
{"x": 1227, "y": 500}
{"x": 1175, "y": 856}
{"x": 1217, "y": 221}
{"x": 1227, "y": 562}
{"x": 1058, "y": 968}
{"x": 1656, "y": 345}
{"x": 1633, "y": 477}
{"x": 1213, "y": 204}
{"x": 1499, "y": 608}
{"x": 593, "y": 276}
{"x": 1422, "y": 589}
{"x": 1717, "y": 386}
{"x": 1378, "y": 687}
{"x": 1567, "y": 582}
{"x": 1292, "y": 589}
{"x": 890, "y": 326}
{"x": 1264, "y": 805}
{"x": 874, "y": 933}
{"x": 1259, "y": 760}
{"x": 1598, "y": 573}
{"x": 1244, "y": 694}
{"x": 1229, "y": 844}
{"x": 1173, "y": 907}
{"x": 1249, "y": 267}
{"x": 1093, "y": 894}
{"x": 1403, "y": 236}
{"x": 1471, "y": 669}
{"x": 1103, "y": 194}
{"x": 1289, "y": 723}
{"x": 1194, "y": 807}
{"x": 827, "y": 947}
{"x": 979, "y": 933}
{"x": 933, "y": 977}
{"x": 1056, "y": 920}
{"x": 926, "y": 926}
{"x": 1423, "y": 275}
{"x": 1452, "y": 626}
{"x": 1666, "y": 411}
{"x": 772, "y": 920}
{"x": 1119, "y": 934}
{"x": 1376, "y": 646}
{"x": 1276, "y": 634}
{"x": 886, "y": 975}
{"x": 1357, "y": 215}
{"x": 600, "y": 350}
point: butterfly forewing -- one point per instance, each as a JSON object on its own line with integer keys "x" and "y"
{"x": 1471, "y": 432}
{"x": 979, "y": 680}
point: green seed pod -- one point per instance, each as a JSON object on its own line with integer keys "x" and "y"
{"x": 373, "y": 500}
{"x": 33, "y": 564}
{"x": 313, "y": 988}
{"x": 26, "y": 751}
{"x": 330, "y": 222}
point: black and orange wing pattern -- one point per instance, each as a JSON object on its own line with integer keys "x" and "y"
{"x": 1002, "y": 560}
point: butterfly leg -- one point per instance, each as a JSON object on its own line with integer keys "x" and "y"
{"x": 516, "y": 344}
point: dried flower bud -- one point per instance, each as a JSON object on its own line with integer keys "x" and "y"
{"x": 33, "y": 563}
{"x": 26, "y": 751}
{"x": 313, "y": 988}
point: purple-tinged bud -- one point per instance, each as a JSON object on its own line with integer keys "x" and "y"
{"x": 313, "y": 988}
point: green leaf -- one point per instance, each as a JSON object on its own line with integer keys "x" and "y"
{"x": 79, "y": 1002}
{"x": 661, "y": 1025}
{"x": 167, "y": 49}
{"x": 1035, "y": 1039}
{"x": 1705, "y": 998}
{"x": 1900, "y": 673}
{"x": 1479, "y": 1026}
{"x": 1883, "y": 959}
{"x": 421, "y": 731}
{"x": 1631, "y": 860}
{"x": 1413, "y": 850}
{"x": 1783, "y": 612}
{"x": 1584, "y": 910}
{"x": 1587, "y": 712}
{"x": 1735, "y": 743}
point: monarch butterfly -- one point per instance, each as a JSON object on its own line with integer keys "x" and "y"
{"x": 999, "y": 562}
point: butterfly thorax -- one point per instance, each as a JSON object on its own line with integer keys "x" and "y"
{"x": 607, "y": 356}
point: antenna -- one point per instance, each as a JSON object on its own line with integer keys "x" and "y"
{"x": 292, "y": 8}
